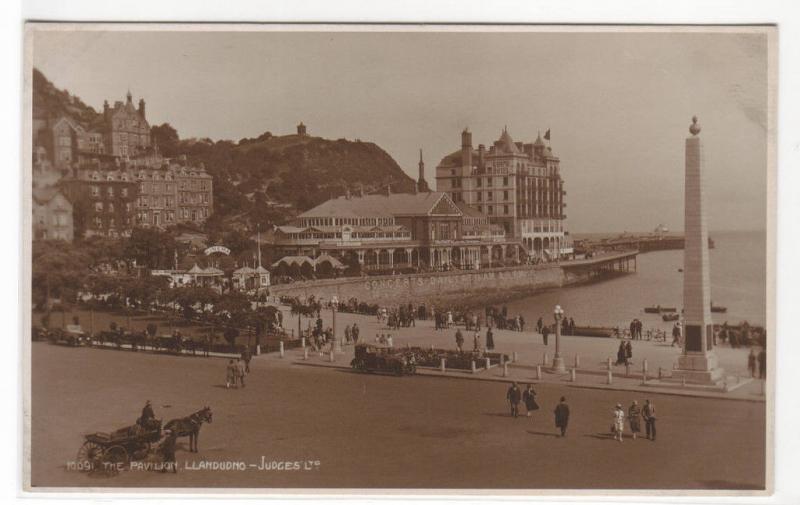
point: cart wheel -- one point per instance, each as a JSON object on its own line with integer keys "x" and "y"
{"x": 90, "y": 455}
{"x": 115, "y": 455}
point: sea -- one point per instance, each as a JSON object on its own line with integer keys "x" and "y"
{"x": 738, "y": 282}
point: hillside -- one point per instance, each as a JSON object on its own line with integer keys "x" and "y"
{"x": 270, "y": 179}
{"x": 265, "y": 180}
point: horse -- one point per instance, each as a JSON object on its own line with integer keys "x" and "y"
{"x": 190, "y": 426}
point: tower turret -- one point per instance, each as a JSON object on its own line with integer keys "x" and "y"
{"x": 466, "y": 150}
{"x": 129, "y": 97}
{"x": 422, "y": 184}
{"x": 301, "y": 129}
{"x": 141, "y": 108}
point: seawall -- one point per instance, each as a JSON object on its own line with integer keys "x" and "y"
{"x": 459, "y": 287}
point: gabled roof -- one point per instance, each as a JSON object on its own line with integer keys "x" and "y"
{"x": 506, "y": 144}
{"x": 397, "y": 204}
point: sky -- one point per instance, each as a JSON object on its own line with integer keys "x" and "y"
{"x": 618, "y": 104}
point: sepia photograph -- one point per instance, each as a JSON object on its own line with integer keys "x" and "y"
{"x": 520, "y": 259}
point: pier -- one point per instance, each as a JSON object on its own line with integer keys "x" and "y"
{"x": 601, "y": 265}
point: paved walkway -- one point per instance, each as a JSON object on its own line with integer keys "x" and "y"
{"x": 592, "y": 354}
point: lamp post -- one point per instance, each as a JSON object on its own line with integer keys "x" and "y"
{"x": 558, "y": 361}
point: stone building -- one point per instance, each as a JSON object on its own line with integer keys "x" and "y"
{"x": 125, "y": 128}
{"x": 52, "y": 215}
{"x": 518, "y": 185}
{"x": 103, "y": 200}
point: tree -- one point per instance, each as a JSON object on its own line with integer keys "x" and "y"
{"x": 166, "y": 137}
{"x": 150, "y": 247}
{"x": 230, "y": 334}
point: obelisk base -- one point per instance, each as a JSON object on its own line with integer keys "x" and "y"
{"x": 699, "y": 368}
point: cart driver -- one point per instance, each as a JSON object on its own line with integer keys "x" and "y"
{"x": 147, "y": 415}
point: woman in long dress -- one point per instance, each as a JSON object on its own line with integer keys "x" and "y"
{"x": 619, "y": 422}
{"x": 634, "y": 415}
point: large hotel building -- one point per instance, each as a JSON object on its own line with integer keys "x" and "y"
{"x": 518, "y": 185}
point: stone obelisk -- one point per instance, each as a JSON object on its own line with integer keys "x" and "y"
{"x": 698, "y": 361}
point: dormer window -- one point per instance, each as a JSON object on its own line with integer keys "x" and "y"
{"x": 110, "y": 177}
{"x": 95, "y": 176}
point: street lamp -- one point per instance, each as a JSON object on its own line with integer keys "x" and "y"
{"x": 558, "y": 361}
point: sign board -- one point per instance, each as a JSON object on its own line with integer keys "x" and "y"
{"x": 217, "y": 249}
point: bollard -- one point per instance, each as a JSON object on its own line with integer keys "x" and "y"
{"x": 627, "y": 369}
{"x": 572, "y": 375}
{"x": 609, "y": 378}
{"x": 305, "y": 352}
{"x": 442, "y": 365}
{"x": 660, "y": 373}
{"x": 505, "y": 369}
{"x": 539, "y": 372}
{"x": 258, "y": 349}
{"x": 281, "y": 348}
{"x": 473, "y": 366}
{"x": 577, "y": 361}
{"x": 332, "y": 356}
{"x": 545, "y": 360}
{"x": 488, "y": 363}
{"x": 303, "y": 342}
{"x": 514, "y": 357}
{"x": 608, "y": 364}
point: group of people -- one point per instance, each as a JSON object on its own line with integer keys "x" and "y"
{"x": 636, "y": 329}
{"x": 515, "y": 396}
{"x": 351, "y": 334}
{"x": 634, "y": 416}
{"x": 757, "y": 363}
{"x": 235, "y": 372}
{"x": 567, "y": 327}
{"x": 624, "y": 353}
{"x": 403, "y": 316}
{"x": 476, "y": 340}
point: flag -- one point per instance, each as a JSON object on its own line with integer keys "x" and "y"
{"x": 547, "y": 134}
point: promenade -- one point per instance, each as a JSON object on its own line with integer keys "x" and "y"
{"x": 592, "y": 355}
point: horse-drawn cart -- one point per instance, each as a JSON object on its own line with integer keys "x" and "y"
{"x": 107, "y": 452}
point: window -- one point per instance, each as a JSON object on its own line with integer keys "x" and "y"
{"x": 489, "y": 181}
{"x": 98, "y": 207}
{"x": 124, "y": 192}
{"x": 505, "y": 195}
{"x": 490, "y": 196}
{"x": 95, "y": 191}
{"x": 98, "y": 223}
{"x": 480, "y": 182}
{"x": 110, "y": 207}
{"x": 110, "y": 191}
{"x": 505, "y": 209}
{"x": 480, "y": 196}
{"x": 490, "y": 210}
{"x": 505, "y": 179}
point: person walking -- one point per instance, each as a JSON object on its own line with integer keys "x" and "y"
{"x": 167, "y": 449}
{"x": 240, "y": 371}
{"x": 354, "y": 333}
{"x": 230, "y": 375}
{"x": 561, "y": 413}
{"x": 529, "y": 397}
{"x": 628, "y": 352}
{"x": 246, "y": 357}
{"x": 489, "y": 339}
{"x": 762, "y": 364}
{"x": 752, "y": 364}
{"x": 619, "y": 422}
{"x": 649, "y": 416}
{"x": 545, "y": 334}
{"x": 676, "y": 335}
{"x": 621, "y": 354}
{"x": 539, "y": 325}
{"x": 476, "y": 342}
{"x": 459, "y": 340}
{"x": 634, "y": 418}
{"x": 347, "y": 334}
{"x": 513, "y": 395}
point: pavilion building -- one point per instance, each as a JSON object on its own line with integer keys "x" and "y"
{"x": 423, "y": 230}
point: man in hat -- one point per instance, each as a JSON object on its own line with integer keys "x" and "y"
{"x": 167, "y": 449}
{"x": 676, "y": 334}
{"x": 649, "y": 416}
{"x": 147, "y": 415}
{"x": 562, "y": 416}
{"x": 514, "y": 395}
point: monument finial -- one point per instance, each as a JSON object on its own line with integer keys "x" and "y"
{"x": 694, "y": 129}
